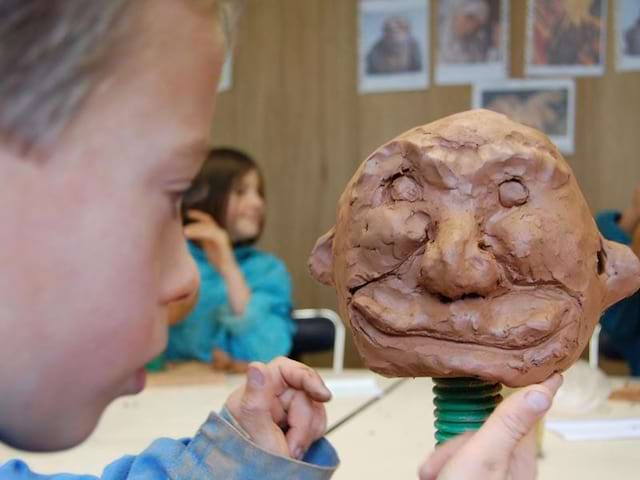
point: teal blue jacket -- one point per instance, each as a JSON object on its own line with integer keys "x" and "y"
{"x": 265, "y": 329}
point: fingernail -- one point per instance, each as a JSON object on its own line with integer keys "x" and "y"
{"x": 255, "y": 378}
{"x": 538, "y": 401}
{"x": 297, "y": 453}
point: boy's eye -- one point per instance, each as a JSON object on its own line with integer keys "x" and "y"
{"x": 175, "y": 199}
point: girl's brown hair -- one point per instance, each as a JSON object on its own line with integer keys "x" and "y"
{"x": 222, "y": 170}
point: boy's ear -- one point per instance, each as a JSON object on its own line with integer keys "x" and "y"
{"x": 321, "y": 259}
{"x": 622, "y": 268}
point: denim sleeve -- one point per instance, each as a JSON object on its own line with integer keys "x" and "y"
{"x": 18, "y": 470}
{"x": 219, "y": 450}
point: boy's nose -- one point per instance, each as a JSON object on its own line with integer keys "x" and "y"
{"x": 184, "y": 278}
{"x": 188, "y": 285}
{"x": 454, "y": 265}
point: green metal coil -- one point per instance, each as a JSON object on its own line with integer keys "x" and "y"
{"x": 462, "y": 404}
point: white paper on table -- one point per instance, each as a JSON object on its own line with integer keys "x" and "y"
{"x": 353, "y": 387}
{"x": 604, "y": 429}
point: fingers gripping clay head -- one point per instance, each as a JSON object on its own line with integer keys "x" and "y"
{"x": 466, "y": 248}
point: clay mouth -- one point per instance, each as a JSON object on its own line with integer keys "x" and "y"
{"x": 446, "y": 300}
{"x": 518, "y": 319}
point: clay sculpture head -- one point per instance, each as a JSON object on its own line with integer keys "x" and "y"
{"x": 466, "y": 248}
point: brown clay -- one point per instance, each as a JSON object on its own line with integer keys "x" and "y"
{"x": 466, "y": 248}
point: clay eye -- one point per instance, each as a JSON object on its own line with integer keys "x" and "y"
{"x": 513, "y": 193}
{"x": 405, "y": 188}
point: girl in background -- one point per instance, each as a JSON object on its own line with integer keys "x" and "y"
{"x": 243, "y": 310}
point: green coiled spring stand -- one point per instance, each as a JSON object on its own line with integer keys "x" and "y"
{"x": 462, "y": 404}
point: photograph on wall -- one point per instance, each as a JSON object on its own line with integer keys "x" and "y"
{"x": 628, "y": 34}
{"x": 226, "y": 76}
{"x": 472, "y": 41}
{"x": 393, "y": 46}
{"x": 547, "y": 105}
{"x": 566, "y": 37}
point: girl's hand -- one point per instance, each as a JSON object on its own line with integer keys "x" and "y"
{"x": 281, "y": 406}
{"x": 213, "y": 238}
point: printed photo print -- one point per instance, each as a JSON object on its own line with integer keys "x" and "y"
{"x": 628, "y": 34}
{"x": 566, "y": 37}
{"x": 472, "y": 41}
{"x": 393, "y": 45}
{"x": 547, "y": 105}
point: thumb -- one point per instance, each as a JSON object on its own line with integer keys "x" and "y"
{"x": 255, "y": 411}
{"x": 513, "y": 420}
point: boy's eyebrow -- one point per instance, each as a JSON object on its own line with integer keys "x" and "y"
{"x": 188, "y": 154}
{"x": 197, "y": 148}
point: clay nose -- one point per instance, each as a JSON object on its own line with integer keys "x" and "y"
{"x": 454, "y": 265}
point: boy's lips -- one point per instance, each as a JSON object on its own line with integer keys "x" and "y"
{"x": 137, "y": 381}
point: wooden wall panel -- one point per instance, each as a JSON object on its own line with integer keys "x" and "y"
{"x": 294, "y": 105}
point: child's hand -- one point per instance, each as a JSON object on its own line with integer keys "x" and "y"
{"x": 214, "y": 239}
{"x": 280, "y": 407}
{"x": 504, "y": 448}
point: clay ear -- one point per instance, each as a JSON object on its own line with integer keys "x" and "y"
{"x": 622, "y": 268}
{"x": 321, "y": 259}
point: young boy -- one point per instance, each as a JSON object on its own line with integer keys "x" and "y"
{"x": 105, "y": 111}
{"x": 105, "y": 119}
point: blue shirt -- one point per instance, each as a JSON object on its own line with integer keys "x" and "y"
{"x": 265, "y": 329}
{"x": 622, "y": 320}
{"x": 220, "y": 450}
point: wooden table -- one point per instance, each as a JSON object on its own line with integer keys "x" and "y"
{"x": 377, "y": 437}
{"x": 390, "y": 439}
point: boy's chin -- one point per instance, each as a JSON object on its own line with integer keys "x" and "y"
{"x": 136, "y": 383}
{"x": 61, "y": 433}
{"x": 65, "y": 425}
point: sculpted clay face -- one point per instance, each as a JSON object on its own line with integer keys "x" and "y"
{"x": 465, "y": 248}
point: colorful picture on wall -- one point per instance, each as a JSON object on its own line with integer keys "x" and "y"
{"x": 566, "y": 37}
{"x": 393, "y": 47}
{"x": 628, "y": 34}
{"x": 472, "y": 41}
{"x": 548, "y": 105}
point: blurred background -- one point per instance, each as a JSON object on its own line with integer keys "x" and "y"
{"x": 294, "y": 106}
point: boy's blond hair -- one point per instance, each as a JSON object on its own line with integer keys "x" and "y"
{"x": 52, "y": 54}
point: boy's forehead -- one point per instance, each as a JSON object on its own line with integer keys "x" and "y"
{"x": 138, "y": 125}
